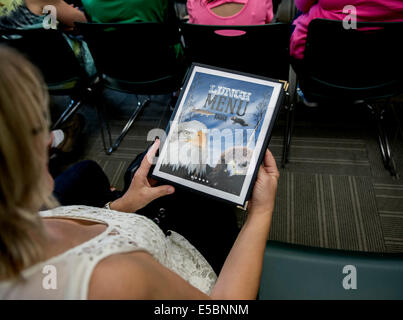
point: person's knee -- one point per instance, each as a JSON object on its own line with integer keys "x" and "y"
{"x": 86, "y": 173}
{"x": 88, "y": 167}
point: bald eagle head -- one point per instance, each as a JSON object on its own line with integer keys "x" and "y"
{"x": 188, "y": 147}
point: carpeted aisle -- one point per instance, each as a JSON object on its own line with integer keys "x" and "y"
{"x": 330, "y": 211}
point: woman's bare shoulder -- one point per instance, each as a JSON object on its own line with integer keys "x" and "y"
{"x": 120, "y": 276}
{"x": 138, "y": 275}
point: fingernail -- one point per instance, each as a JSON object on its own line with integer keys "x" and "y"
{"x": 170, "y": 190}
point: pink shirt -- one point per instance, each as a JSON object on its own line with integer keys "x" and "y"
{"x": 367, "y": 11}
{"x": 254, "y": 12}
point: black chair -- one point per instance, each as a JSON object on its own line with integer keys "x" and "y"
{"x": 295, "y": 272}
{"x": 257, "y": 49}
{"x": 51, "y": 53}
{"x": 352, "y": 66}
{"x": 138, "y": 58}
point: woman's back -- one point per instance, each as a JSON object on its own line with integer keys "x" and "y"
{"x": 245, "y": 12}
{"x": 126, "y": 11}
{"x": 67, "y": 275}
{"x": 369, "y": 8}
{"x": 366, "y": 11}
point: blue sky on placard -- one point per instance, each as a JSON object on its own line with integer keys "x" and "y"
{"x": 201, "y": 85}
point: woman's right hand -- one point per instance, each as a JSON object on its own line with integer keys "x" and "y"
{"x": 142, "y": 190}
{"x": 264, "y": 191}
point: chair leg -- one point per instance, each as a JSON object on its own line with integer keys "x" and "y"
{"x": 70, "y": 110}
{"x": 287, "y": 134}
{"x": 292, "y": 91}
{"x": 140, "y": 106}
{"x": 383, "y": 140}
{"x": 103, "y": 122}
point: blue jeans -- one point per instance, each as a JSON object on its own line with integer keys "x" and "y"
{"x": 84, "y": 183}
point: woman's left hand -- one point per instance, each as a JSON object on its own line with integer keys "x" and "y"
{"x": 141, "y": 192}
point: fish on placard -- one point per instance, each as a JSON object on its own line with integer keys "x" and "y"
{"x": 203, "y": 112}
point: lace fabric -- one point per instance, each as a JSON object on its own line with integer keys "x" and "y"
{"x": 124, "y": 233}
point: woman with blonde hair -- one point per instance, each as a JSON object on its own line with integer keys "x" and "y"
{"x": 98, "y": 253}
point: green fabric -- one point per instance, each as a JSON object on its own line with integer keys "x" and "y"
{"x": 126, "y": 11}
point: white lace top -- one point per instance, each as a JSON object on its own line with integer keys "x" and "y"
{"x": 125, "y": 233}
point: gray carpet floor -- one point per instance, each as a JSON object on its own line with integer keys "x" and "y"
{"x": 333, "y": 193}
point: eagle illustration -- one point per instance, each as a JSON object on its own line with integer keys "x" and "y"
{"x": 187, "y": 148}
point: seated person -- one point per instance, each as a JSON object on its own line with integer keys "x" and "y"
{"x": 29, "y": 13}
{"x": 103, "y": 253}
{"x": 25, "y": 14}
{"x": 367, "y": 11}
{"x": 230, "y": 12}
{"x": 128, "y": 11}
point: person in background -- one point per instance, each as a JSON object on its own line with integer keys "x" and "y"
{"x": 128, "y": 11}
{"x": 230, "y": 12}
{"x": 367, "y": 11}
{"x": 27, "y": 14}
{"x": 109, "y": 253}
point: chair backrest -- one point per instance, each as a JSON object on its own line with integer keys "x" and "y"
{"x": 133, "y": 56}
{"x": 354, "y": 63}
{"x": 300, "y": 272}
{"x": 50, "y": 52}
{"x": 258, "y": 49}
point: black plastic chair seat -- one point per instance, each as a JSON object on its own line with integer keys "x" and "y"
{"x": 324, "y": 90}
{"x": 164, "y": 85}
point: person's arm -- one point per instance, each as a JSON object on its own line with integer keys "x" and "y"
{"x": 304, "y": 5}
{"x": 66, "y": 14}
{"x": 139, "y": 276}
{"x": 141, "y": 192}
{"x": 240, "y": 275}
{"x": 269, "y": 11}
{"x": 190, "y": 9}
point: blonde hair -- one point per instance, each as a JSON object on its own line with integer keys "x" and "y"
{"x": 24, "y": 118}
